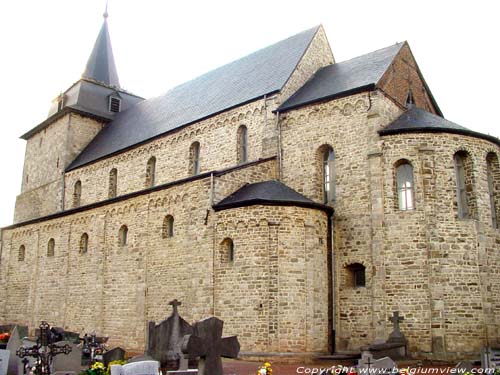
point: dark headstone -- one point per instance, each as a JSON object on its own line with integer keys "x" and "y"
{"x": 165, "y": 339}
{"x": 115, "y": 354}
{"x": 70, "y": 362}
{"x": 207, "y": 343}
{"x": 13, "y": 345}
{"x": 396, "y": 334}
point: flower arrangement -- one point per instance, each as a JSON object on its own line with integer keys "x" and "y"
{"x": 96, "y": 369}
{"x": 117, "y": 362}
{"x": 4, "y": 337}
{"x": 265, "y": 369}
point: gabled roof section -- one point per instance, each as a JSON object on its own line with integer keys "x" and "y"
{"x": 260, "y": 73}
{"x": 344, "y": 78}
{"x": 273, "y": 193}
{"x": 101, "y": 64}
{"x": 417, "y": 120}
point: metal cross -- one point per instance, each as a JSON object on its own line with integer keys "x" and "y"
{"x": 396, "y": 319}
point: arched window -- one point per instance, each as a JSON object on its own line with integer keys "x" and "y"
{"x": 51, "y": 247}
{"x": 493, "y": 171}
{"x": 410, "y": 101}
{"x": 77, "y": 194}
{"x": 405, "y": 185}
{"x": 22, "y": 253}
{"x": 113, "y": 183}
{"x": 356, "y": 275}
{"x": 84, "y": 243}
{"x": 242, "y": 144}
{"x": 328, "y": 172}
{"x": 227, "y": 250}
{"x": 168, "y": 226}
{"x": 466, "y": 200}
{"x": 150, "y": 172}
{"x": 194, "y": 159}
{"x": 122, "y": 236}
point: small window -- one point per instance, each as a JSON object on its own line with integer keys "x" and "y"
{"x": 194, "y": 158}
{"x": 242, "y": 144}
{"x": 84, "y": 243}
{"x": 356, "y": 275}
{"x": 51, "y": 247}
{"x": 22, "y": 253}
{"x": 114, "y": 104}
{"x": 113, "y": 183}
{"x": 168, "y": 226}
{"x": 410, "y": 101}
{"x": 150, "y": 172}
{"x": 327, "y": 156}
{"x": 77, "y": 194}
{"x": 466, "y": 200}
{"x": 227, "y": 251}
{"x": 493, "y": 174}
{"x": 405, "y": 186}
{"x": 122, "y": 235}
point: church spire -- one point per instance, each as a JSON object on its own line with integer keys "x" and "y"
{"x": 101, "y": 64}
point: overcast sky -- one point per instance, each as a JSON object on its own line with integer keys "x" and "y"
{"x": 158, "y": 44}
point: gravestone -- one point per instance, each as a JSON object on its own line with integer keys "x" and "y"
{"x": 115, "y": 354}
{"x": 207, "y": 343}
{"x": 490, "y": 358}
{"x": 70, "y": 362}
{"x": 4, "y": 361}
{"x": 15, "y": 364}
{"x": 165, "y": 339}
{"x": 383, "y": 365}
{"x": 396, "y": 335}
{"x": 141, "y": 368}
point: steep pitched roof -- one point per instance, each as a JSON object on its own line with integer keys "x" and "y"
{"x": 272, "y": 193}
{"x": 101, "y": 64}
{"x": 344, "y": 78}
{"x": 418, "y": 120}
{"x": 263, "y": 72}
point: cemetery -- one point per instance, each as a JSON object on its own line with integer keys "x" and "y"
{"x": 176, "y": 347}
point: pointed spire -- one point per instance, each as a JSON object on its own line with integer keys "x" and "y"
{"x": 101, "y": 64}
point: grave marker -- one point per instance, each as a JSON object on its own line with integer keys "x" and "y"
{"x": 383, "y": 365}
{"x": 70, "y": 362}
{"x": 15, "y": 364}
{"x": 4, "y": 361}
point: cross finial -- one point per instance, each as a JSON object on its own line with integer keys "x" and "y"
{"x": 175, "y": 303}
{"x": 105, "y": 15}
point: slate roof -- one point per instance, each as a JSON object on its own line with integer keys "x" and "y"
{"x": 272, "y": 193}
{"x": 260, "y": 73}
{"x": 344, "y": 78}
{"x": 418, "y": 120}
{"x": 101, "y": 64}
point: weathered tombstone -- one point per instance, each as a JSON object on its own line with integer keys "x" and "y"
{"x": 4, "y": 361}
{"x": 396, "y": 335}
{"x": 165, "y": 339}
{"x": 207, "y": 343}
{"x": 70, "y": 362}
{"x": 383, "y": 365}
{"x": 15, "y": 364}
{"x": 141, "y": 368}
{"x": 115, "y": 354}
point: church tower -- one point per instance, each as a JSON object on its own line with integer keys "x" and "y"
{"x": 75, "y": 117}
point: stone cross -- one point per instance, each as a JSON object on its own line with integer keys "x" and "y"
{"x": 396, "y": 334}
{"x": 207, "y": 343}
{"x": 175, "y": 303}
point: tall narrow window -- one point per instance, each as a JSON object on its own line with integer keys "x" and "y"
{"x": 150, "y": 172}
{"x": 51, "y": 247}
{"x": 84, "y": 243}
{"x": 227, "y": 251}
{"x": 168, "y": 226}
{"x": 122, "y": 236}
{"x": 242, "y": 144}
{"x": 113, "y": 183}
{"x": 194, "y": 158}
{"x": 405, "y": 187}
{"x": 328, "y": 173}
{"x": 493, "y": 170}
{"x": 22, "y": 253}
{"x": 77, "y": 194}
{"x": 466, "y": 200}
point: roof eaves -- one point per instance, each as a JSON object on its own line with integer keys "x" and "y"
{"x": 423, "y": 129}
{"x": 273, "y": 202}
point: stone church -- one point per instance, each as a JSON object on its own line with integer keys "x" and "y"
{"x": 300, "y": 199}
